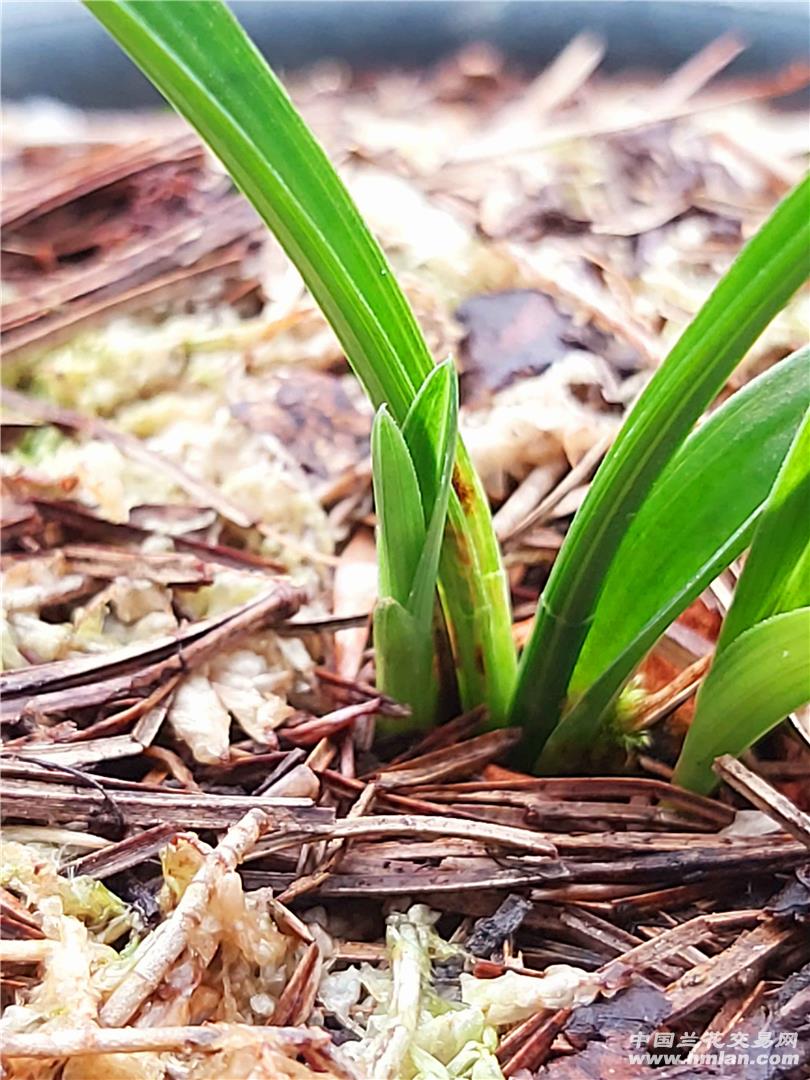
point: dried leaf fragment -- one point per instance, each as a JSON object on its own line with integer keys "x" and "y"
{"x": 200, "y": 720}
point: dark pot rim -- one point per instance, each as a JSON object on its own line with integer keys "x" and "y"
{"x": 57, "y": 49}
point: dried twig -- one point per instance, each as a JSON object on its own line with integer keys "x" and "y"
{"x": 114, "y": 858}
{"x": 210, "y": 1038}
{"x": 416, "y": 825}
{"x": 332, "y": 853}
{"x": 166, "y": 945}
{"x": 581, "y": 471}
{"x": 67, "y": 680}
{"x": 31, "y": 951}
{"x": 31, "y": 801}
{"x": 298, "y": 996}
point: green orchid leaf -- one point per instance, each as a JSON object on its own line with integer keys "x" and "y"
{"x": 763, "y": 675}
{"x": 776, "y": 576}
{"x": 761, "y": 667}
{"x": 770, "y": 268}
{"x": 698, "y": 518}
{"x": 401, "y": 526}
{"x": 408, "y": 549}
{"x": 436, "y": 411}
{"x": 406, "y": 667}
{"x": 200, "y": 59}
{"x": 430, "y": 430}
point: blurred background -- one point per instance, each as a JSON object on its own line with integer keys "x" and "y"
{"x": 558, "y": 186}
{"x": 58, "y": 50}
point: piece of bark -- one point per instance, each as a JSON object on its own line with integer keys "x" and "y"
{"x": 27, "y": 801}
{"x": 743, "y": 960}
{"x": 489, "y": 934}
{"x": 765, "y": 797}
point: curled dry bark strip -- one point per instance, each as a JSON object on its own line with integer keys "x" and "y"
{"x": 172, "y": 937}
{"x": 31, "y": 801}
{"x": 354, "y": 589}
{"x": 116, "y": 825}
{"x": 310, "y": 732}
{"x": 16, "y": 920}
{"x": 298, "y": 996}
{"x": 347, "y": 786}
{"x": 452, "y": 733}
{"x": 284, "y": 764}
{"x": 787, "y": 81}
{"x": 424, "y": 882}
{"x": 149, "y": 713}
{"x": 88, "y": 753}
{"x": 733, "y": 1011}
{"x": 463, "y": 759}
{"x": 578, "y": 473}
{"x": 321, "y": 756}
{"x": 116, "y": 858}
{"x": 527, "y": 1045}
{"x": 525, "y": 498}
{"x": 353, "y": 690}
{"x": 102, "y": 561}
{"x": 152, "y": 268}
{"x": 657, "y": 706}
{"x": 76, "y": 518}
{"x": 325, "y": 624}
{"x": 299, "y": 782}
{"x": 97, "y": 168}
{"x": 535, "y": 1043}
{"x": 286, "y": 920}
{"x": 672, "y": 941}
{"x": 560, "y": 788}
{"x": 587, "y": 815}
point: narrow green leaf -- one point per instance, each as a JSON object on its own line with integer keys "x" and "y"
{"x": 771, "y": 267}
{"x": 430, "y": 427}
{"x": 401, "y": 525}
{"x": 197, "y": 55}
{"x": 408, "y": 548}
{"x": 776, "y": 576}
{"x": 763, "y": 653}
{"x": 698, "y": 517}
{"x": 761, "y": 677}
{"x": 406, "y": 666}
{"x": 698, "y": 514}
{"x": 435, "y": 411}
{"x": 475, "y": 596}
